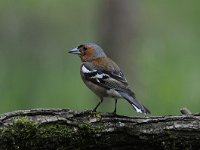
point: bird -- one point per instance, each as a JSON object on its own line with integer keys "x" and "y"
{"x": 104, "y": 77}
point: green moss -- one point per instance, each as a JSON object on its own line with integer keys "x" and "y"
{"x": 98, "y": 115}
{"x": 26, "y": 133}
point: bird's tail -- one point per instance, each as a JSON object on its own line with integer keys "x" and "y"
{"x": 130, "y": 97}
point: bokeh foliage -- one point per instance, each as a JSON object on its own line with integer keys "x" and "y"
{"x": 36, "y": 71}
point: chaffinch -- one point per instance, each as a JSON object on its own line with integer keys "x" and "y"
{"x": 103, "y": 76}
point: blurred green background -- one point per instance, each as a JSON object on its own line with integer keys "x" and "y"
{"x": 156, "y": 43}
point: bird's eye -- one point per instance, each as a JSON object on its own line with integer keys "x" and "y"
{"x": 84, "y": 48}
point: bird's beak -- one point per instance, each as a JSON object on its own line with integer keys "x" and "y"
{"x": 75, "y": 51}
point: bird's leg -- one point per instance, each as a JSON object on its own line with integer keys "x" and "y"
{"x": 114, "y": 112}
{"x": 98, "y": 104}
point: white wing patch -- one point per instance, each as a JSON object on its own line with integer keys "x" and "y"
{"x": 96, "y": 76}
{"x": 85, "y": 70}
{"x": 100, "y": 76}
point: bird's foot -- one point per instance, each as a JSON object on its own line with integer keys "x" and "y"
{"x": 94, "y": 110}
{"x": 114, "y": 113}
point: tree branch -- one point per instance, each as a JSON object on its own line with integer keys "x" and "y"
{"x": 67, "y": 129}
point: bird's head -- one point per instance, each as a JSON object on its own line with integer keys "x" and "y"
{"x": 88, "y": 51}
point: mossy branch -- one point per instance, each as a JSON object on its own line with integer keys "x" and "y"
{"x": 66, "y": 129}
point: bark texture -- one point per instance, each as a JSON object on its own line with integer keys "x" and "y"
{"x": 68, "y": 129}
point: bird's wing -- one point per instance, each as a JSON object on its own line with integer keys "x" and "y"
{"x": 118, "y": 75}
{"x": 107, "y": 79}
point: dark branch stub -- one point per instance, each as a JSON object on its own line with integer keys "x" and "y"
{"x": 67, "y": 129}
{"x": 185, "y": 111}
